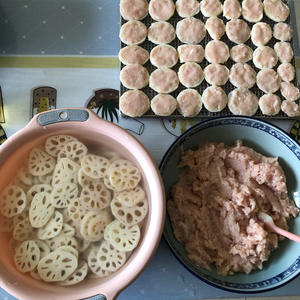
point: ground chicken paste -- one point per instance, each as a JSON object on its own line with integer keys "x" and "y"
{"x": 214, "y": 206}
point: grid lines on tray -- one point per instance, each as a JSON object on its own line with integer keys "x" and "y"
{"x": 228, "y": 87}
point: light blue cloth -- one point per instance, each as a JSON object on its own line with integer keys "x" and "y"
{"x": 59, "y": 27}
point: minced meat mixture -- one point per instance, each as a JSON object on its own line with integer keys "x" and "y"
{"x": 214, "y": 206}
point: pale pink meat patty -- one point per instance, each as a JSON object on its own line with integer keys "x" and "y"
{"x": 214, "y": 206}
{"x": 134, "y": 103}
{"x": 232, "y": 9}
{"x": 241, "y": 53}
{"x": 215, "y": 27}
{"x": 264, "y": 57}
{"x": 282, "y": 32}
{"x": 216, "y": 52}
{"x": 133, "y": 55}
{"x": 164, "y": 80}
{"x": 284, "y": 51}
{"x": 269, "y": 104}
{"x": 289, "y": 91}
{"x": 242, "y": 75}
{"x": 286, "y": 72}
{"x": 161, "y": 10}
{"x": 133, "y": 9}
{"x": 190, "y": 30}
{"x": 163, "y": 56}
{"x": 189, "y": 103}
{"x": 290, "y": 108}
{"x": 276, "y": 10}
{"x": 214, "y": 99}
{"x": 163, "y": 104}
{"x": 211, "y": 8}
{"x": 133, "y": 32}
{"x": 187, "y": 8}
{"x": 134, "y": 76}
{"x": 268, "y": 80}
{"x": 161, "y": 33}
{"x": 261, "y": 34}
{"x": 216, "y": 74}
{"x": 190, "y": 74}
{"x": 242, "y": 102}
{"x": 190, "y": 53}
{"x": 252, "y": 10}
{"x": 238, "y": 31}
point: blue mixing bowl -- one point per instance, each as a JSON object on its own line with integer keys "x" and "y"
{"x": 267, "y": 139}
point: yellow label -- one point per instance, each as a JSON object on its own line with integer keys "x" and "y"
{"x": 43, "y": 104}
{"x": 1, "y": 114}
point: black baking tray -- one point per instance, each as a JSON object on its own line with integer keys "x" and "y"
{"x": 228, "y": 87}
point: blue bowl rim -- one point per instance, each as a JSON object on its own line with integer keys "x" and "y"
{"x": 161, "y": 164}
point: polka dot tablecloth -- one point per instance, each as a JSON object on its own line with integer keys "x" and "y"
{"x": 56, "y": 27}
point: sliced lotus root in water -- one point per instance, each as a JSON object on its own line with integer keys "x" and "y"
{"x": 77, "y": 276}
{"x": 36, "y": 180}
{"x": 40, "y": 163}
{"x": 110, "y": 258}
{"x": 103, "y": 218}
{"x": 122, "y": 237}
{"x": 41, "y": 209}
{"x": 52, "y": 228}
{"x": 27, "y": 256}
{"x": 67, "y": 219}
{"x": 20, "y": 217}
{"x": 35, "y": 274}
{"x": 44, "y": 248}
{"x": 25, "y": 176}
{"x": 94, "y": 276}
{"x": 94, "y": 264}
{"x": 129, "y": 215}
{"x": 82, "y": 244}
{"x": 38, "y": 188}
{"x": 123, "y": 175}
{"x": 132, "y": 197}
{"x": 16, "y": 181}
{"x": 106, "y": 231}
{"x": 57, "y": 266}
{"x": 66, "y": 170}
{"x": 107, "y": 183}
{"x": 95, "y": 166}
{"x": 95, "y": 196}
{"x": 76, "y": 210}
{"x": 111, "y": 155}
{"x": 62, "y": 240}
{"x": 54, "y": 144}
{"x": 74, "y": 150}
{"x": 13, "y": 245}
{"x": 12, "y": 201}
{"x": 84, "y": 255}
{"x": 46, "y": 179}
{"x": 85, "y": 180}
{"x": 63, "y": 193}
{"x": 70, "y": 249}
{"x": 68, "y": 230}
{"x": 23, "y": 231}
{"x": 93, "y": 224}
{"x": 6, "y": 224}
